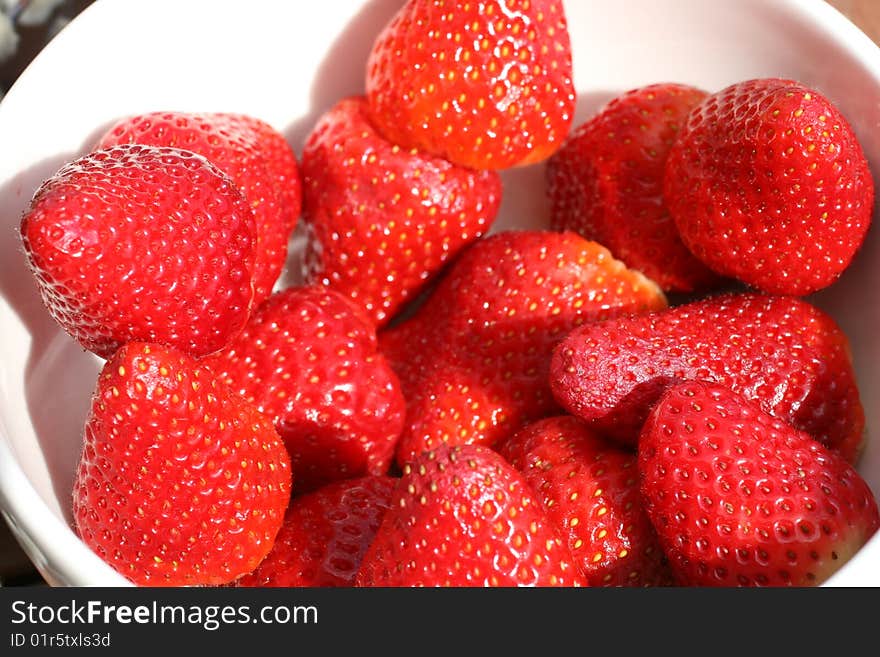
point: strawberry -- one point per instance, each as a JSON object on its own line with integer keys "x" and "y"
{"x": 487, "y": 85}
{"x": 232, "y": 145}
{"x": 325, "y": 535}
{"x": 740, "y": 498}
{"x": 782, "y": 352}
{"x": 474, "y": 359}
{"x": 142, "y": 243}
{"x": 309, "y": 360}
{"x": 606, "y": 183}
{"x": 279, "y": 158}
{"x": 589, "y": 489}
{"x": 382, "y": 220}
{"x": 767, "y": 183}
{"x": 180, "y": 480}
{"x": 462, "y": 516}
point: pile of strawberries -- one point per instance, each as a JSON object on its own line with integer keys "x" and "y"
{"x": 438, "y": 405}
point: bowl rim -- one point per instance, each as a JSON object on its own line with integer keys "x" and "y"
{"x": 48, "y": 541}
{"x": 53, "y": 545}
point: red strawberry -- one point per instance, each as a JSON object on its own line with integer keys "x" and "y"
{"x": 767, "y": 183}
{"x": 309, "y": 360}
{"x": 325, "y": 535}
{"x": 231, "y": 144}
{"x": 382, "y": 220}
{"x": 589, "y": 489}
{"x": 782, "y": 352}
{"x": 474, "y": 360}
{"x": 487, "y": 84}
{"x": 279, "y": 158}
{"x": 462, "y": 516}
{"x": 742, "y": 499}
{"x": 606, "y": 183}
{"x": 142, "y": 243}
{"x": 180, "y": 481}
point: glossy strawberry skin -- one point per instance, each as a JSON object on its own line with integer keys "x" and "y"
{"x": 279, "y": 159}
{"x": 589, "y": 488}
{"x": 487, "y": 84}
{"x": 606, "y": 183}
{"x": 142, "y": 243}
{"x": 463, "y": 517}
{"x": 309, "y": 360}
{"x": 382, "y": 220}
{"x": 232, "y": 145}
{"x": 783, "y": 352}
{"x": 325, "y": 535}
{"x": 740, "y": 498}
{"x": 768, "y": 184}
{"x": 180, "y": 481}
{"x": 474, "y": 360}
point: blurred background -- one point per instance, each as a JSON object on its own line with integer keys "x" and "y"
{"x": 28, "y": 25}
{"x": 25, "y": 27}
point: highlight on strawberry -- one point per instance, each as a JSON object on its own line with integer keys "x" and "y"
{"x": 782, "y": 352}
{"x": 325, "y": 535}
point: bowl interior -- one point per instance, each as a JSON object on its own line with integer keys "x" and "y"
{"x": 287, "y": 64}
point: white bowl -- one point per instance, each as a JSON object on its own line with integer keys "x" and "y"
{"x": 288, "y": 62}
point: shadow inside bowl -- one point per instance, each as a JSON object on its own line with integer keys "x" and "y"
{"x": 341, "y": 71}
{"x": 59, "y": 374}
{"x": 336, "y": 78}
{"x": 59, "y": 380}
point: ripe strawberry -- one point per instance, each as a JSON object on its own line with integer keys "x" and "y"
{"x": 782, "y": 352}
{"x": 142, "y": 243}
{"x": 740, "y": 498}
{"x": 462, "y": 516}
{"x": 382, "y": 220}
{"x": 309, "y": 360}
{"x": 325, "y": 535}
{"x": 279, "y": 158}
{"x": 474, "y": 360}
{"x": 606, "y": 183}
{"x": 487, "y": 85}
{"x": 767, "y": 183}
{"x": 180, "y": 481}
{"x": 231, "y": 144}
{"x": 589, "y": 489}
